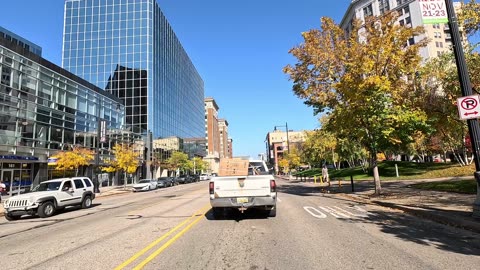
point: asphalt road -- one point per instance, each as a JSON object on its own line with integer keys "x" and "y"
{"x": 173, "y": 228}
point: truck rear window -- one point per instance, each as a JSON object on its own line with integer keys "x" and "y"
{"x": 256, "y": 168}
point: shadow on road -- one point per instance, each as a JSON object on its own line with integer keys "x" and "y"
{"x": 234, "y": 214}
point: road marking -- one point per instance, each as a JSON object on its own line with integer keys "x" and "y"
{"x": 154, "y": 243}
{"x": 278, "y": 199}
{"x": 352, "y": 214}
{"x": 329, "y": 211}
{"x": 167, "y": 244}
{"x": 359, "y": 208}
{"x": 309, "y": 209}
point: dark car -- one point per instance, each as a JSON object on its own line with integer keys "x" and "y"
{"x": 195, "y": 178}
{"x": 182, "y": 179}
{"x": 165, "y": 181}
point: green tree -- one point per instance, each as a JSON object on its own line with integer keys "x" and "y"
{"x": 364, "y": 81}
{"x": 179, "y": 161}
{"x": 469, "y": 17}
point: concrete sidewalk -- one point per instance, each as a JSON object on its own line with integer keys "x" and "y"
{"x": 104, "y": 192}
{"x": 454, "y": 209}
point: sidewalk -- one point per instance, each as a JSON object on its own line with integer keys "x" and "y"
{"x": 104, "y": 192}
{"x": 454, "y": 209}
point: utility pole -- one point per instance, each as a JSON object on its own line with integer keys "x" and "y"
{"x": 466, "y": 86}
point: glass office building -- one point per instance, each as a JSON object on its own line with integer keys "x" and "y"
{"x": 45, "y": 109}
{"x": 129, "y": 49}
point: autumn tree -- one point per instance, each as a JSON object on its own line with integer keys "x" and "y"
{"x": 469, "y": 17}
{"x": 74, "y": 159}
{"x": 126, "y": 160}
{"x": 363, "y": 80}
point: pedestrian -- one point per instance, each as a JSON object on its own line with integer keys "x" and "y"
{"x": 3, "y": 187}
{"x": 325, "y": 177}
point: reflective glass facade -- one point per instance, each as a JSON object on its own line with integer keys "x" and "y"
{"x": 44, "y": 109}
{"x": 129, "y": 49}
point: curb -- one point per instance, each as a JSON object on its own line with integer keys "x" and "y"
{"x": 419, "y": 212}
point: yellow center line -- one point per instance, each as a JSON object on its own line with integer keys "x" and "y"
{"x": 154, "y": 243}
{"x": 167, "y": 244}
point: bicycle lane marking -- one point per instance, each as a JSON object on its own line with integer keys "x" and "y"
{"x": 311, "y": 211}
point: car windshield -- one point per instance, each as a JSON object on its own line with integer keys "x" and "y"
{"x": 144, "y": 181}
{"x": 50, "y": 186}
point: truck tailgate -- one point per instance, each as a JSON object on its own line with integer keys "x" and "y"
{"x": 238, "y": 186}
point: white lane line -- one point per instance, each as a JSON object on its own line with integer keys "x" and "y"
{"x": 278, "y": 199}
{"x": 311, "y": 209}
{"x": 352, "y": 214}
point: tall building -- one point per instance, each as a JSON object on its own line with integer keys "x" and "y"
{"x": 218, "y": 145}
{"x": 129, "y": 49}
{"x": 410, "y": 15}
{"x": 223, "y": 130}
{"x": 45, "y": 109}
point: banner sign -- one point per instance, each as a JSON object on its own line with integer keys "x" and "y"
{"x": 433, "y": 11}
{"x": 103, "y": 131}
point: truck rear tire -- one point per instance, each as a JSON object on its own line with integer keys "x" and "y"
{"x": 273, "y": 212}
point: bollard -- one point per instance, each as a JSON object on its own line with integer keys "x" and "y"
{"x": 351, "y": 181}
{"x": 396, "y": 169}
{"x": 339, "y": 182}
{"x": 315, "y": 179}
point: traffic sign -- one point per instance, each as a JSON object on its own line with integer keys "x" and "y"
{"x": 469, "y": 107}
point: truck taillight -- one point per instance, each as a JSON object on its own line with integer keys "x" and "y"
{"x": 273, "y": 186}
{"x": 211, "y": 186}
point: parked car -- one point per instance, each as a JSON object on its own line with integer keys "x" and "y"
{"x": 182, "y": 179}
{"x": 145, "y": 185}
{"x": 49, "y": 196}
{"x": 165, "y": 182}
{"x": 195, "y": 178}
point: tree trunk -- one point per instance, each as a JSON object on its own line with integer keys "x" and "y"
{"x": 376, "y": 176}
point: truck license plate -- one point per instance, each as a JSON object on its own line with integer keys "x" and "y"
{"x": 242, "y": 200}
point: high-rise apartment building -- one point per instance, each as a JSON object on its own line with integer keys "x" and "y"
{"x": 410, "y": 15}
{"x": 129, "y": 49}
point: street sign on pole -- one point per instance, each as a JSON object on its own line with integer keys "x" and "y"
{"x": 468, "y": 107}
{"x": 433, "y": 11}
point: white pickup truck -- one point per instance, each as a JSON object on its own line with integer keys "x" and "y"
{"x": 255, "y": 190}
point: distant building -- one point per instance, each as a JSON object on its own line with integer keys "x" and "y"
{"x": 219, "y": 145}
{"x": 278, "y": 143}
{"x": 20, "y": 41}
{"x": 410, "y": 15}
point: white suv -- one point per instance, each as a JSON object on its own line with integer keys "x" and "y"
{"x": 50, "y": 196}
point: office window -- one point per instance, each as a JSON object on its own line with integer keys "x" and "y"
{"x": 368, "y": 11}
{"x": 383, "y": 6}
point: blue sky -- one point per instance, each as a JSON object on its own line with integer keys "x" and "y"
{"x": 238, "y": 47}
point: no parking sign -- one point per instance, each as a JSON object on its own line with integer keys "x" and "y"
{"x": 468, "y": 107}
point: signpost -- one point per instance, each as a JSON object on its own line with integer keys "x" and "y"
{"x": 468, "y": 103}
